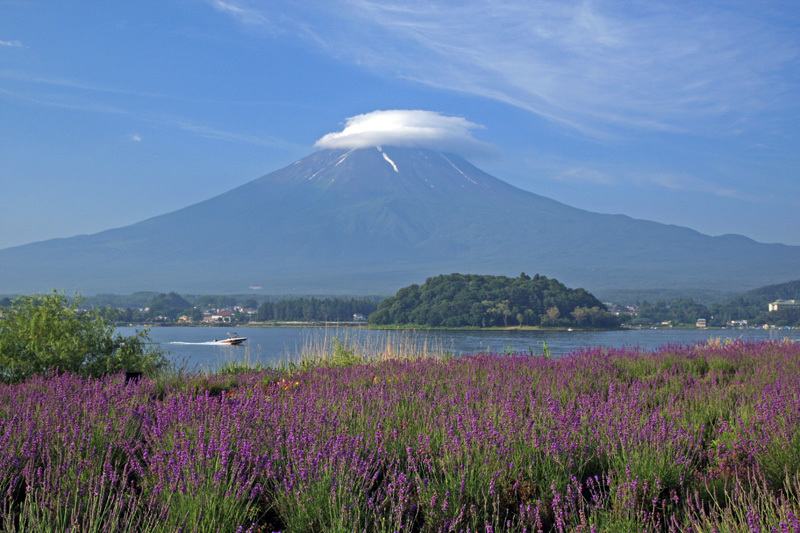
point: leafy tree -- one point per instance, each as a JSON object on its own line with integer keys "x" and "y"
{"x": 193, "y": 313}
{"x": 168, "y": 305}
{"x": 503, "y": 310}
{"x": 552, "y": 315}
{"x": 51, "y": 332}
{"x": 602, "y": 319}
{"x": 580, "y": 314}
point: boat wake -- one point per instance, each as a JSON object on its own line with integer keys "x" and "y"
{"x": 208, "y": 343}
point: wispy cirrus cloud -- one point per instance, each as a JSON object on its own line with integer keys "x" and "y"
{"x": 685, "y": 182}
{"x": 243, "y": 14}
{"x": 80, "y": 85}
{"x": 582, "y": 174}
{"x": 70, "y": 83}
{"x": 593, "y": 66}
{"x": 64, "y": 102}
{"x": 614, "y": 176}
{"x": 670, "y": 181}
{"x": 11, "y": 44}
{"x": 209, "y": 132}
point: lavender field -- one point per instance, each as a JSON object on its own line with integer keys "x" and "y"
{"x": 685, "y": 438}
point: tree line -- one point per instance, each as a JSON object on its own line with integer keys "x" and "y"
{"x": 169, "y": 306}
{"x": 316, "y": 310}
{"x": 471, "y": 300}
{"x": 680, "y": 311}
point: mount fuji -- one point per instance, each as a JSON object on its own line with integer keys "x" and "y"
{"x": 370, "y": 220}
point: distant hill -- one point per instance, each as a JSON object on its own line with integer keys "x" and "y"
{"x": 372, "y": 220}
{"x": 464, "y": 300}
{"x": 780, "y": 291}
{"x": 754, "y": 304}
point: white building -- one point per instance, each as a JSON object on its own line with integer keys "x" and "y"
{"x": 781, "y": 304}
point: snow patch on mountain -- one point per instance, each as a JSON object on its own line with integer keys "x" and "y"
{"x": 386, "y": 157}
{"x": 341, "y": 159}
{"x": 459, "y": 170}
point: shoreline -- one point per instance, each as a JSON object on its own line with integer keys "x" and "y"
{"x": 416, "y": 327}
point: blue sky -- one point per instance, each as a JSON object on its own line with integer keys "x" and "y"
{"x": 685, "y": 113}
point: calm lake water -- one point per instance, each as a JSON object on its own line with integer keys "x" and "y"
{"x": 194, "y": 347}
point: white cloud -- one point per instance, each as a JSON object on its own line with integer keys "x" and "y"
{"x": 409, "y": 128}
{"x": 135, "y": 137}
{"x": 12, "y": 44}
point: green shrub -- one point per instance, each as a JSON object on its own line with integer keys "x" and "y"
{"x": 50, "y": 331}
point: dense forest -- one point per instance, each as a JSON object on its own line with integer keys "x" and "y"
{"x": 469, "y": 300}
{"x": 679, "y": 311}
{"x": 154, "y": 307}
{"x": 315, "y": 310}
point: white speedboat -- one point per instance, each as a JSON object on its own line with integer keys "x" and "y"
{"x": 232, "y": 340}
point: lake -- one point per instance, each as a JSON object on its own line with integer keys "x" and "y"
{"x": 194, "y": 347}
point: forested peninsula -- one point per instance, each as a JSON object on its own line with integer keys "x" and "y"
{"x": 480, "y": 301}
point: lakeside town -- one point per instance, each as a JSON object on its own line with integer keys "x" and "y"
{"x": 305, "y": 312}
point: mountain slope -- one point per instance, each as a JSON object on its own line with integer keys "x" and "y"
{"x": 762, "y": 296}
{"x": 372, "y": 220}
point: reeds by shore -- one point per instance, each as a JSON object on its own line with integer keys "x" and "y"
{"x": 403, "y": 436}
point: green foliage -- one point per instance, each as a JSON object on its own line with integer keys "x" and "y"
{"x": 787, "y": 316}
{"x": 340, "y": 354}
{"x": 216, "y": 301}
{"x": 314, "y": 309}
{"x": 769, "y": 293}
{"x": 680, "y": 311}
{"x": 545, "y": 349}
{"x": 344, "y": 355}
{"x": 168, "y": 305}
{"x": 135, "y": 300}
{"x": 44, "y": 332}
{"x": 464, "y": 300}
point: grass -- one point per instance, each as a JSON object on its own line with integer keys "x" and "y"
{"x": 346, "y": 347}
{"x": 400, "y": 435}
